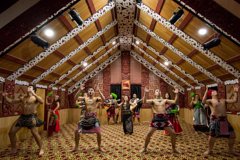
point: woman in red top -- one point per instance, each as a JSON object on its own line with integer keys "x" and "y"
{"x": 54, "y": 123}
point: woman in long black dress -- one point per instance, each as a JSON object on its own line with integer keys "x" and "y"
{"x": 126, "y": 116}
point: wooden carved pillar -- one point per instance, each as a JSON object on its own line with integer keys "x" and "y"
{"x": 221, "y": 91}
{"x": 106, "y": 81}
{"x": 7, "y": 108}
{"x": 125, "y": 62}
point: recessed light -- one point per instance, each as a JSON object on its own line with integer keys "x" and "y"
{"x": 202, "y": 31}
{"x": 166, "y": 63}
{"x": 114, "y": 42}
{"x": 49, "y": 32}
{"x": 84, "y": 63}
{"x": 137, "y": 42}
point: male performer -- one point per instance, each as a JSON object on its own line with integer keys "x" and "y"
{"x": 219, "y": 125}
{"x": 28, "y": 118}
{"x": 160, "y": 120}
{"x": 89, "y": 123}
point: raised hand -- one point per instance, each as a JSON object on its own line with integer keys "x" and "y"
{"x": 176, "y": 90}
{"x": 4, "y": 94}
{"x": 235, "y": 88}
{"x": 82, "y": 87}
{"x": 146, "y": 89}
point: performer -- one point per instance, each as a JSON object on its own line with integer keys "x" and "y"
{"x": 160, "y": 120}
{"x": 89, "y": 123}
{"x": 172, "y": 111}
{"x": 219, "y": 125}
{"x": 28, "y": 118}
{"x": 126, "y": 116}
{"x": 136, "y": 110}
{"x": 111, "y": 103}
{"x": 199, "y": 117}
{"x": 54, "y": 119}
{"x": 80, "y": 103}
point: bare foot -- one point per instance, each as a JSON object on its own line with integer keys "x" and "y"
{"x": 234, "y": 153}
{"x": 75, "y": 149}
{"x": 101, "y": 150}
{"x": 207, "y": 153}
{"x": 143, "y": 150}
{"x": 41, "y": 152}
{"x": 176, "y": 151}
{"x": 14, "y": 151}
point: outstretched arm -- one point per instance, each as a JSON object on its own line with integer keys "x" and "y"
{"x": 80, "y": 91}
{"x": 235, "y": 96}
{"x": 144, "y": 96}
{"x": 10, "y": 100}
{"x": 176, "y": 91}
{"x": 204, "y": 100}
{"x": 102, "y": 96}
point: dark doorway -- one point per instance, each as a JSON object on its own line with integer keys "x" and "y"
{"x": 117, "y": 89}
{"x": 136, "y": 88}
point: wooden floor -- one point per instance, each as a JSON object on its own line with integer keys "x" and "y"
{"x": 118, "y": 146}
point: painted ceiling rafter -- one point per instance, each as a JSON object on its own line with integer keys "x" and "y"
{"x": 160, "y": 74}
{"x": 179, "y": 53}
{"x": 94, "y": 72}
{"x": 94, "y": 62}
{"x": 189, "y": 40}
{"x": 86, "y": 59}
{"x": 74, "y": 52}
{"x": 170, "y": 62}
{"x": 208, "y": 21}
{"x": 162, "y": 65}
{"x": 61, "y": 41}
{"x": 38, "y": 26}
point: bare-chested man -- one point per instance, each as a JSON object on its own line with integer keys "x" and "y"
{"x": 160, "y": 120}
{"x": 28, "y": 118}
{"x": 219, "y": 125}
{"x": 89, "y": 123}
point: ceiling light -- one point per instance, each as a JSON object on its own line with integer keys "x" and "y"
{"x": 49, "y": 32}
{"x": 202, "y": 31}
{"x": 137, "y": 42}
{"x": 114, "y": 42}
{"x": 166, "y": 63}
{"x": 84, "y": 63}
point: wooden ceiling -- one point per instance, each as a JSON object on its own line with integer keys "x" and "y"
{"x": 61, "y": 25}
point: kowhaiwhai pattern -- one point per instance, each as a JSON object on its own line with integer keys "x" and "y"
{"x": 61, "y": 41}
